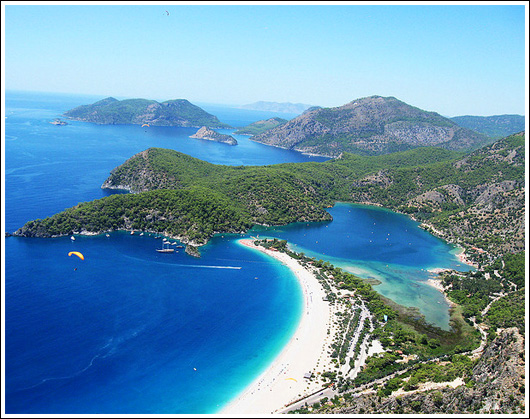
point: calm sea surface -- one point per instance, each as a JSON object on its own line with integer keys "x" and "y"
{"x": 130, "y": 330}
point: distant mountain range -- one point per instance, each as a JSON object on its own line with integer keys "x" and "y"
{"x": 178, "y": 112}
{"x": 370, "y": 126}
{"x": 496, "y": 126}
{"x": 285, "y": 107}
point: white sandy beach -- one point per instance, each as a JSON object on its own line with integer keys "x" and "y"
{"x": 437, "y": 283}
{"x": 283, "y": 381}
{"x": 464, "y": 258}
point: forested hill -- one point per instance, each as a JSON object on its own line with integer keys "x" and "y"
{"x": 496, "y": 126}
{"x": 476, "y": 200}
{"x": 178, "y": 112}
{"x": 370, "y": 126}
{"x": 260, "y": 126}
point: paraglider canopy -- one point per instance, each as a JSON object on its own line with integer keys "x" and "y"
{"x": 78, "y": 254}
{"x": 145, "y": 125}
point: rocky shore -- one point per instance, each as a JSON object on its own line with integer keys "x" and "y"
{"x": 205, "y": 133}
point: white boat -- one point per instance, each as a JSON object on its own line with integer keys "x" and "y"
{"x": 72, "y": 238}
{"x": 165, "y": 249}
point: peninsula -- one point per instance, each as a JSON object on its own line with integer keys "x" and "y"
{"x": 205, "y": 133}
{"x": 474, "y": 200}
{"x": 259, "y": 127}
{"x": 173, "y": 113}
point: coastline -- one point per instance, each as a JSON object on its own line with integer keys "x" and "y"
{"x": 464, "y": 258}
{"x": 437, "y": 283}
{"x": 283, "y": 381}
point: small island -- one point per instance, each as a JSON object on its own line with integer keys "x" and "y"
{"x": 57, "y": 121}
{"x": 171, "y": 113}
{"x": 205, "y": 133}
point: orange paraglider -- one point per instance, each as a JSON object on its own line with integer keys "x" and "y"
{"x": 144, "y": 125}
{"x": 79, "y": 254}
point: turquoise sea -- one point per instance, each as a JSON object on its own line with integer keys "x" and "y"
{"x": 130, "y": 330}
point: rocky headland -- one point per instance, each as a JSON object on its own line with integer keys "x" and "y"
{"x": 205, "y": 133}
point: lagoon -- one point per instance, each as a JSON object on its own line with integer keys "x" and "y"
{"x": 130, "y": 330}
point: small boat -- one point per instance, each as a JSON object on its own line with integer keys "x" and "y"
{"x": 165, "y": 249}
{"x": 132, "y": 232}
{"x": 72, "y": 238}
{"x": 141, "y": 234}
{"x": 108, "y": 235}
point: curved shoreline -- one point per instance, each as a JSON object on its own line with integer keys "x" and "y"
{"x": 283, "y": 381}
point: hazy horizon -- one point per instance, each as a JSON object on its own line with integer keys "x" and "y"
{"x": 451, "y": 59}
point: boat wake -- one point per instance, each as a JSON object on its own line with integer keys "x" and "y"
{"x": 105, "y": 351}
{"x": 66, "y": 377}
{"x": 210, "y": 266}
{"x": 185, "y": 265}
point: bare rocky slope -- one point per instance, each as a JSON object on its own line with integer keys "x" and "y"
{"x": 370, "y": 126}
{"x": 496, "y": 385}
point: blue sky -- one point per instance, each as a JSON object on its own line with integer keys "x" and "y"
{"x": 452, "y": 59}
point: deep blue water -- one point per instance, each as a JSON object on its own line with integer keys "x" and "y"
{"x": 130, "y": 330}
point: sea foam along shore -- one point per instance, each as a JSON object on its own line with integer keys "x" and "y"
{"x": 283, "y": 382}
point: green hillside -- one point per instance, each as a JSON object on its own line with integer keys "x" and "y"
{"x": 476, "y": 200}
{"x": 260, "y": 126}
{"x": 177, "y": 112}
{"x": 496, "y": 126}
